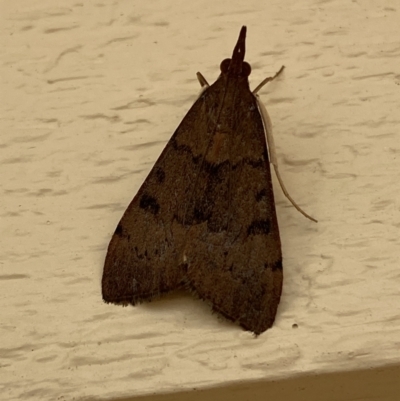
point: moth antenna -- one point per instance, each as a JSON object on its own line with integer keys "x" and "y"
{"x": 271, "y": 144}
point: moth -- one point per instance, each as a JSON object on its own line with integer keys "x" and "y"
{"x": 204, "y": 219}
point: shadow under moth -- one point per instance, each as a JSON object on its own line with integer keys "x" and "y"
{"x": 204, "y": 219}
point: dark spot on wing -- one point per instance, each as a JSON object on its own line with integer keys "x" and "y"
{"x": 160, "y": 174}
{"x": 149, "y": 203}
{"x": 261, "y": 195}
{"x": 259, "y": 227}
{"x": 119, "y": 230}
{"x": 275, "y": 266}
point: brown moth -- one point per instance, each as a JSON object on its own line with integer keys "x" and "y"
{"x": 204, "y": 218}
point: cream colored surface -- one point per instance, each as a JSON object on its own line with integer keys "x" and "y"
{"x": 92, "y": 91}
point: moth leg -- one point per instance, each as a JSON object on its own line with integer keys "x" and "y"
{"x": 266, "y": 80}
{"x": 202, "y": 80}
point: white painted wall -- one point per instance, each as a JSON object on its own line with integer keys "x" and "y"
{"x": 91, "y": 93}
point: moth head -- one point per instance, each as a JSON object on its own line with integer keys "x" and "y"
{"x": 236, "y": 65}
{"x": 243, "y": 71}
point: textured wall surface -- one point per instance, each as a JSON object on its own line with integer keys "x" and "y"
{"x": 90, "y": 94}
